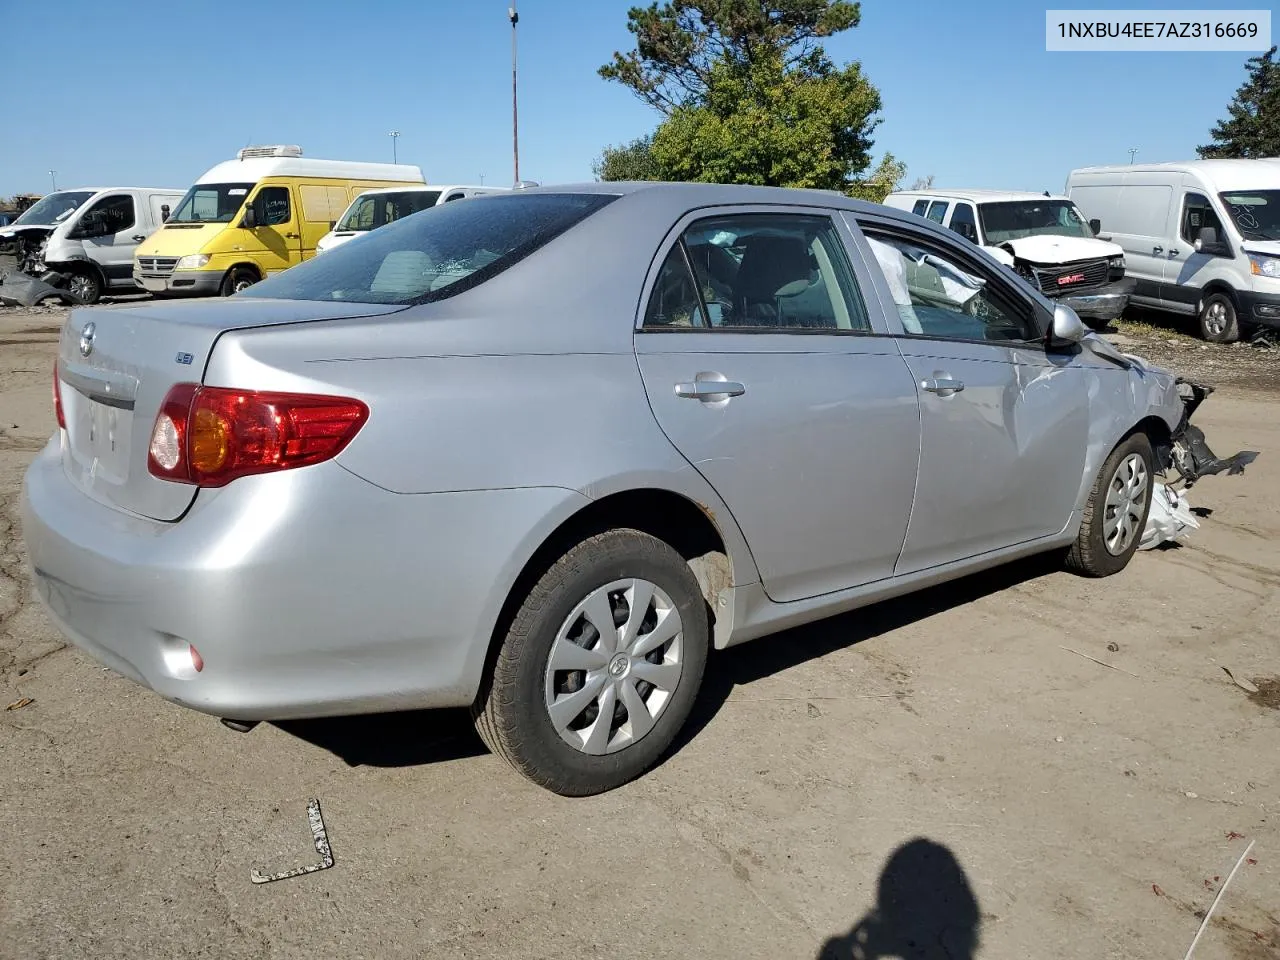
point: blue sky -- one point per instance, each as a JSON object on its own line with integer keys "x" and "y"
{"x": 115, "y": 93}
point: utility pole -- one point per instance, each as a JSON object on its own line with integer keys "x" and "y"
{"x": 515, "y": 126}
{"x": 394, "y": 135}
{"x": 53, "y": 176}
{"x": 1132, "y": 152}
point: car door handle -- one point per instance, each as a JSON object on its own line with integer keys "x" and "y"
{"x": 1156, "y": 251}
{"x": 943, "y": 386}
{"x": 710, "y": 389}
{"x": 137, "y": 238}
{"x": 292, "y": 236}
{"x": 1173, "y": 253}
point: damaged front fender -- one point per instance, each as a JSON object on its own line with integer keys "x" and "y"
{"x": 1188, "y": 452}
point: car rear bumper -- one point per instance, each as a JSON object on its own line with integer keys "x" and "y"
{"x": 307, "y": 593}
{"x": 180, "y": 282}
{"x": 1102, "y": 303}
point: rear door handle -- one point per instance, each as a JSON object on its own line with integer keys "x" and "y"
{"x": 710, "y": 389}
{"x": 943, "y": 386}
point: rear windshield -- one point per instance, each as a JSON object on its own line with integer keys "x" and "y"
{"x": 378, "y": 209}
{"x": 437, "y": 254}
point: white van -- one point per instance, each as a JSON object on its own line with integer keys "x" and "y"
{"x": 1201, "y": 237}
{"x": 90, "y": 234}
{"x": 1042, "y": 238}
{"x": 377, "y": 208}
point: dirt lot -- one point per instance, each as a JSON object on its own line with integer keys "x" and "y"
{"x": 920, "y": 777}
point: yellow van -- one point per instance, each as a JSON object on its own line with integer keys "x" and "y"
{"x": 253, "y": 216}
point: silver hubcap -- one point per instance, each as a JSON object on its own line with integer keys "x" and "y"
{"x": 614, "y": 666}
{"x": 1126, "y": 503}
{"x": 242, "y": 285}
{"x": 1215, "y": 318}
{"x": 81, "y": 287}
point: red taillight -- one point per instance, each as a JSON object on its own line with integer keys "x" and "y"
{"x": 211, "y": 435}
{"x": 57, "y": 398}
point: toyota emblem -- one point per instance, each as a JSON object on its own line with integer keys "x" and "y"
{"x": 86, "y": 338}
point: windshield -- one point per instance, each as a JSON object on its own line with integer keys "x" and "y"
{"x": 378, "y": 209}
{"x": 54, "y": 208}
{"x": 210, "y": 203}
{"x": 1015, "y": 219}
{"x": 422, "y": 259}
{"x": 1256, "y": 213}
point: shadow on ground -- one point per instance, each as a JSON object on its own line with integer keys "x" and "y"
{"x": 925, "y": 910}
{"x": 421, "y": 737}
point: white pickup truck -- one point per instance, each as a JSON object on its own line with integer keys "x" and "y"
{"x": 1043, "y": 238}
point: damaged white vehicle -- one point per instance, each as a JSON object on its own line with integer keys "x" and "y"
{"x": 1043, "y": 238}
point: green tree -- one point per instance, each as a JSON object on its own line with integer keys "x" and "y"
{"x": 630, "y": 161}
{"x": 748, "y": 94}
{"x": 1253, "y": 128}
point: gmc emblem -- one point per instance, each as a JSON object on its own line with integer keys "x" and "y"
{"x": 1071, "y": 278}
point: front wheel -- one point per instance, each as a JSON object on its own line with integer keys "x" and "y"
{"x": 85, "y": 285}
{"x": 1115, "y": 515}
{"x": 1218, "y": 321}
{"x": 600, "y": 667}
{"x": 237, "y": 279}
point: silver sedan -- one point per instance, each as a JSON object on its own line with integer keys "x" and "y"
{"x": 539, "y": 453}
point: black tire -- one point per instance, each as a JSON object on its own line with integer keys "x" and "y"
{"x": 1218, "y": 321}
{"x": 86, "y": 284}
{"x": 511, "y": 712}
{"x": 1090, "y": 555}
{"x": 237, "y": 279}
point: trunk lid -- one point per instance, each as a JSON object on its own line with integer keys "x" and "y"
{"x": 117, "y": 364}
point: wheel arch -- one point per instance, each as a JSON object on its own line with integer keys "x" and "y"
{"x": 688, "y": 526}
{"x": 243, "y": 265}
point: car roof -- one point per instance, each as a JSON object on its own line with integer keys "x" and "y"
{"x": 711, "y": 194}
{"x": 979, "y": 195}
{"x": 1259, "y": 174}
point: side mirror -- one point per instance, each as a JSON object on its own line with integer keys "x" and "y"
{"x": 1096, "y": 226}
{"x": 250, "y": 218}
{"x": 1067, "y": 326}
{"x": 164, "y": 213}
{"x": 966, "y": 230}
{"x": 1208, "y": 243}
{"x": 333, "y": 224}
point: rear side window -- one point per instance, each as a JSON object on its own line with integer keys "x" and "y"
{"x": 428, "y": 258}
{"x": 920, "y": 207}
{"x": 938, "y": 211}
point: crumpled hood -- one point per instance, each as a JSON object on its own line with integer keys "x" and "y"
{"x": 1052, "y": 249}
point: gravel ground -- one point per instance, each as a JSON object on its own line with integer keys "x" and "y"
{"x": 947, "y": 775}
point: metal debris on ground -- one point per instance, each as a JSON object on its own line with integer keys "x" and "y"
{"x": 1247, "y": 686}
{"x": 1213, "y": 906}
{"x": 19, "y": 704}
{"x": 21, "y": 290}
{"x": 1170, "y": 519}
{"x": 1102, "y": 663}
{"x": 322, "y": 847}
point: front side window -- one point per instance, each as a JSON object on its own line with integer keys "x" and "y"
{"x": 764, "y": 271}
{"x": 939, "y": 295}
{"x": 429, "y": 258}
{"x": 211, "y": 203}
{"x": 1197, "y": 213}
{"x": 938, "y": 211}
{"x": 378, "y": 209}
{"x": 1014, "y": 219}
{"x": 107, "y": 217}
{"x": 271, "y": 206}
{"x": 1256, "y": 213}
{"x": 964, "y": 223}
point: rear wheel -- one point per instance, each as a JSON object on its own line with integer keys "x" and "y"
{"x": 85, "y": 285}
{"x": 600, "y": 667}
{"x": 1218, "y": 321}
{"x": 237, "y": 279}
{"x": 1116, "y": 513}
